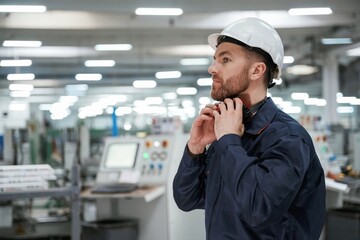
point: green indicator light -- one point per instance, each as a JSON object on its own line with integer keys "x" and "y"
{"x": 145, "y": 155}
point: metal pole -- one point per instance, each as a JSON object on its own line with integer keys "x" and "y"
{"x": 75, "y": 203}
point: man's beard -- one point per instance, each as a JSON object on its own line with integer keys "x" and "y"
{"x": 233, "y": 87}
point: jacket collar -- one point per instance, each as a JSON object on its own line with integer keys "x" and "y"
{"x": 262, "y": 119}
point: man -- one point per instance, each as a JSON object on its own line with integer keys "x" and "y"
{"x": 253, "y": 170}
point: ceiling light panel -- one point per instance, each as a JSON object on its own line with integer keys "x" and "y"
{"x": 21, "y": 76}
{"x": 20, "y": 43}
{"x": 159, "y": 11}
{"x": 23, "y": 8}
{"x": 144, "y": 84}
{"x": 18, "y": 106}
{"x": 113, "y": 47}
{"x": 99, "y": 63}
{"x": 21, "y": 87}
{"x": 310, "y": 11}
{"x": 168, "y": 74}
{"x": 76, "y": 87}
{"x": 204, "y": 81}
{"x": 88, "y": 76}
{"x": 336, "y": 41}
{"x": 186, "y": 91}
{"x": 169, "y": 95}
{"x": 288, "y": 59}
{"x": 302, "y": 70}
{"x": 16, "y": 63}
{"x": 299, "y": 96}
{"x": 354, "y": 52}
{"x": 20, "y": 94}
{"x": 194, "y": 61}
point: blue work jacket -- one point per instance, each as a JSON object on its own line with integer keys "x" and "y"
{"x": 266, "y": 184}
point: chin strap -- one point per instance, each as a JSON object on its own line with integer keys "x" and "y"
{"x": 248, "y": 113}
{"x": 270, "y": 85}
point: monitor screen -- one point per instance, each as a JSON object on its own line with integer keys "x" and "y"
{"x": 121, "y": 155}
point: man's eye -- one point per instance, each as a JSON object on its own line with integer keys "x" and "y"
{"x": 225, "y": 60}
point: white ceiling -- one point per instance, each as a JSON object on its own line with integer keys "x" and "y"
{"x": 70, "y": 29}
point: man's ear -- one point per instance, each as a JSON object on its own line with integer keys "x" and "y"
{"x": 257, "y": 70}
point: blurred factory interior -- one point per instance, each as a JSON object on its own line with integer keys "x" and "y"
{"x": 100, "y": 73}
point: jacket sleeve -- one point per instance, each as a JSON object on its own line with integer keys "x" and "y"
{"x": 189, "y": 183}
{"x": 264, "y": 186}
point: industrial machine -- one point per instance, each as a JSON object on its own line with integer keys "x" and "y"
{"x": 149, "y": 164}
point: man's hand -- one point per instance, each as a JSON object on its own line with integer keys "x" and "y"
{"x": 229, "y": 118}
{"x": 202, "y": 131}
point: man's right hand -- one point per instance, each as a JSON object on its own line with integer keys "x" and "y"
{"x": 202, "y": 131}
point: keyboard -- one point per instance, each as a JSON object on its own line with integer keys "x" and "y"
{"x": 114, "y": 188}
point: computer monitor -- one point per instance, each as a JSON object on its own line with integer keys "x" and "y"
{"x": 134, "y": 159}
{"x": 121, "y": 155}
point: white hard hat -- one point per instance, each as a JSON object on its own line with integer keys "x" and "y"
{"x": 254, "y": 32}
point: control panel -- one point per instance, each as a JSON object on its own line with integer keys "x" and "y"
{"x": 148, "y": 158}
{"x": 154, "y": 159}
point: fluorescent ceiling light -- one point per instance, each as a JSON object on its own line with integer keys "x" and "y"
{"x": 23, "y": 8}
{"x": 302, "y": 70}
{"x": 45, "y": 107}
{"x": 59, "y": 106}
{"x": 168, "y": 74}
{"x": 88, "y": 76}
{"x": 140, "y": 103}
{"x": 187, "y": 103}
{"x": 153, "y": 100}
{"x": 17, "y": 106}
{"x": 345, "y": 99}
{"x": 20, "y": 43}
{"x": 292, "y": 109}
{"x": 76, "y": 87}
{"x": 277, "y": 100}
{"x": 299, "y": 96}
{"x": 20, "y": 94}
{"x": 310, "y": 11}
{"x": 186, "y": 91}
{"x": 48, "y": 52}
{"x": 204, "y": 100}
{"x": 345, "y": 109}
{"x": 336, "y": 41}
{"x": 315, "y": 101}
{"x": 159, "y": 11}
{"x": 16, "y": 63}
{"x": 121, "y": 111}
{"x": 321, "y": 102}
{"x": 355, "y": 102}
{"x": 194, "y": 61}
{"x": 288, "y": 59}
{"x": 21, "y": 87}
{"x": 117, "y": 98}
{"x": 144, "y": 84}
{"x": 127, "y": 126}
{"x": 113, "y": 47}
{"x": 99, "y": 63}
{"x": 68, "y": 99}
{"x": 151, "y": 110}
{"x": 187, "y": 50}
{"x": 21, "y": 76}
{"x": 204, "y": 81}
{"x": 169, "y": 96}
{"x": 354, "y": 52}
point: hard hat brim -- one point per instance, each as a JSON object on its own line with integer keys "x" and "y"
{"x": 213, "y": 40}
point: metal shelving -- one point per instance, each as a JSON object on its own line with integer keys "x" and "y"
{"x": 73, "y": 192}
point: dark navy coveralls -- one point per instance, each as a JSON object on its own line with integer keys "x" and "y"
{"x": 267, "y": 184}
